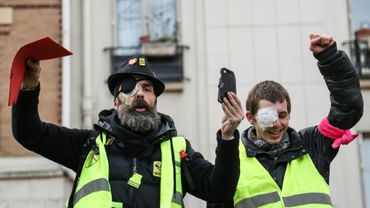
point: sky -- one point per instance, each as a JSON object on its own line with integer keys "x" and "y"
{"x": 360, "y": 12}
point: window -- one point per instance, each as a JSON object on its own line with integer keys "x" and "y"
{"x": 149, "y": 27}
{"x": 130, "y": 26}
{"x": 360, "y": 45}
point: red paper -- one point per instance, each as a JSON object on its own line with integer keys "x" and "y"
{"x": 42, "y": 49}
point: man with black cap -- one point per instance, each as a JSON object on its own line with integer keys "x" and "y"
{"x": 133, "y": 157}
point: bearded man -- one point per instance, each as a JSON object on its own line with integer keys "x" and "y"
{"x": 133, "y": 157}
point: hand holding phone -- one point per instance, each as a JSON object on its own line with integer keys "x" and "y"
{"x": 233, "y": 110}
{"x": 226, "y": 83}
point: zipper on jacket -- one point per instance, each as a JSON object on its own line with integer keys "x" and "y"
{"x": 275, "y": 159}
{"x": 283, "y": 152}
{"x": 131, "y": 189}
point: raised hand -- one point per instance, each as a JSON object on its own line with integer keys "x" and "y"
{"x": 320, "y": 42}
{"x": 234, "y": 114}
{"x": 32, "y": 75}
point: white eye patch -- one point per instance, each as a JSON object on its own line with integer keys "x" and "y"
{"x": 266, "y": 117}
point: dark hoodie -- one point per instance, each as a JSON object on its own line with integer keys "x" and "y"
{"x": 65, "y": 146}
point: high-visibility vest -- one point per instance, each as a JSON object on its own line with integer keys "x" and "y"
{"x": 93, "y": 189}
{"x": 303, "y": 185}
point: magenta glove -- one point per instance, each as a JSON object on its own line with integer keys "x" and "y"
{"x": 338, "y": 136}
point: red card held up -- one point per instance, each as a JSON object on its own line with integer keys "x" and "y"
{"x": 42, "y": 49}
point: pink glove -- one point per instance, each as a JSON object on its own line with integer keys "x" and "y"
{"x": 338, "y": 136}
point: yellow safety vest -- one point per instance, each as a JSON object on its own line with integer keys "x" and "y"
{"x": 93, "y": 189}
{"x": 303, "y": 185}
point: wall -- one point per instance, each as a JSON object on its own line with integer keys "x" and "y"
{"x": 33, "y": 182}
{"x": 25, "y": 180}
{"x": 29, "y": 21}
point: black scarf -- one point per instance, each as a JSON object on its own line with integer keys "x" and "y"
{"x": 271, "y": 149}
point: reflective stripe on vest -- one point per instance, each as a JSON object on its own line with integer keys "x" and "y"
{"x": 170, "y": 198}
{"x": 93, "y": 189}
{"x": 303, "y": 185}
{"x": 259, "y": 200}
{"x": 308, "y": 198}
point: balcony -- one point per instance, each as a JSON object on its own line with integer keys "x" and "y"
{"x": 165, "y": 59}
{"x": 360, "y": 52}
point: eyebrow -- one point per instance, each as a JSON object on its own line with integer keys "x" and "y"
{"x": 147, "y": 82}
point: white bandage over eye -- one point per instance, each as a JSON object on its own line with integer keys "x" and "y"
{"x": 266, "y": 117}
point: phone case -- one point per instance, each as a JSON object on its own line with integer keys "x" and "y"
{"x": 226, "y": 83}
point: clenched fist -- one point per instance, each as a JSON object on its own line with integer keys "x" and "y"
{"x": 320, "y": 42}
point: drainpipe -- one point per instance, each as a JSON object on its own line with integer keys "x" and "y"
{"x": 87, "y": 66}
{"x": 145, "y": 18}
{"x": 66, "y": 64}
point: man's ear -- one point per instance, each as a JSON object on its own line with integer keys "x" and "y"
{"x": 250, "y": 117}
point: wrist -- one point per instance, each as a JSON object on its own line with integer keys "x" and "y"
{"x": 328, "y": 55}
{"x": 228, "y": 137}
{"x": 29, "y": 86}
{"x": 223, "y": 141}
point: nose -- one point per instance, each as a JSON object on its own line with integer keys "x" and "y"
{"x": 277, "y": 123}
{"x": 140, "y": 92}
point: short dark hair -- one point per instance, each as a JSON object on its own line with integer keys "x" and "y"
{"x": 266, "y": 90}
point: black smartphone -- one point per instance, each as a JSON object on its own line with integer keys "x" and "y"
{"x": 226, "y": 83}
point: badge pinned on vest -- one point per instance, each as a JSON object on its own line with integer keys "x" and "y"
{"x": 132, "y": 61}
{"x": 157, "y": 168}
{"x": 141, "y": 61}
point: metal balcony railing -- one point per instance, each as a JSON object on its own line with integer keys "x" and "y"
{"x": 166, "y": 61}
{"x": 360, "y": 56}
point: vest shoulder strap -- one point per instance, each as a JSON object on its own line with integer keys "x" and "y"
{"x": 171, "y": 195}
{"x": 89, "y": 145}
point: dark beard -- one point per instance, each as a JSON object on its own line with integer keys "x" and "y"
{"x": 139, "y": 121}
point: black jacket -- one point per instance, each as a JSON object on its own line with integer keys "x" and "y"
{"x": 65, "y": 146}
{"x": 345, "y": 111}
